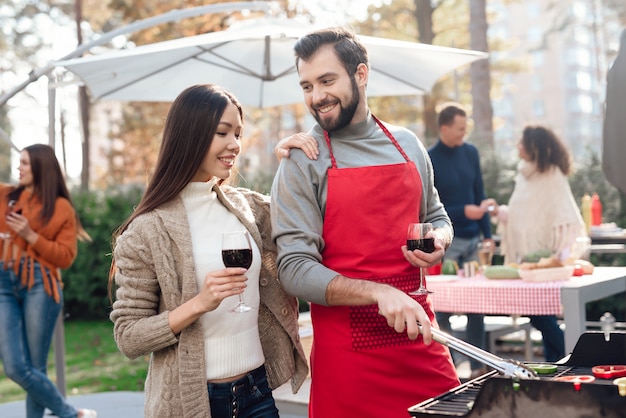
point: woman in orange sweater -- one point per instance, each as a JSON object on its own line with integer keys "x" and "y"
{"x": 39, "y": 229}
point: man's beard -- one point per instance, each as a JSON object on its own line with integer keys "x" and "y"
{"x": 345, "y": 114}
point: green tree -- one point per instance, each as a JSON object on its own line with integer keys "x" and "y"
{"x": 136, "y": 137}
{"x": 588, "y": 179}
{"x": 23, "y": 42}
{"x": 498, "y": 176}
{"x": 5, "y": 148}
{"x": 411, "y": 21}
{"x": 101, "y": 213}
{"x": 482, "y": 109}
{"x": 424, "y": 10}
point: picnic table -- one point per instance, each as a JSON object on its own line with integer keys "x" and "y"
{"x": 565, "y": 298}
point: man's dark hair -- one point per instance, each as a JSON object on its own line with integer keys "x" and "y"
{"x": 349, "y": 49}
{"x": 447, "y": 114}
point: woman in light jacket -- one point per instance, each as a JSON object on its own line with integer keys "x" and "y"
{"x": 175, "y": 297}
{"x": 541, "y": 216}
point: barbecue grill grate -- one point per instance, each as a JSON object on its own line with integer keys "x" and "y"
{"x": 492, "y": 395}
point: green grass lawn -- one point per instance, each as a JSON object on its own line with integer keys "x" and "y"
{"x": 93, "y": 363}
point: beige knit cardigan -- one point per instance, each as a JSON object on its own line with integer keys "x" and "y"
{"x": 155, "y": 274}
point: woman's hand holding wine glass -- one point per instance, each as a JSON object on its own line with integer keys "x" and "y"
{"x": 219, "y": 285}
{"x": 7, "y": 234}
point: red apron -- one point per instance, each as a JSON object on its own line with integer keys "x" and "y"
{"x": 360, "y": 367}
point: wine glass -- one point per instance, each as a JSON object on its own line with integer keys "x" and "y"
{"x": 237, "y": 252}
{"x": 580, "y": 248}
{"x": 7, "y": 234}
{"x": 418, "y": 239}
{"x": 485, "y": 254}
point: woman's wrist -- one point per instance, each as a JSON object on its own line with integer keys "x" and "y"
{"x": 32, "y": 237}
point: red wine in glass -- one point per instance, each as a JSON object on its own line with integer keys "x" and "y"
{"x": 237, "y": 252}
{"x": 419, "y": 237}
{"x": 426, "y": 245}
{"x": 237, "y": 258}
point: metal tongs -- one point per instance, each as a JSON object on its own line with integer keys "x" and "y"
{"x": 507, "y": 367}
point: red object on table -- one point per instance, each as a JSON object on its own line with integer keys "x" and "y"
{"x": 578, "y": 270}
{"x": 596, "y": 210}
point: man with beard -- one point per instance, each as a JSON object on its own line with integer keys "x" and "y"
{"x": 340, "y": 225}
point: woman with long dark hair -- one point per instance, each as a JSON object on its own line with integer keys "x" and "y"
{"x": 40, "y": 230}
{"x": 174, "y": 296}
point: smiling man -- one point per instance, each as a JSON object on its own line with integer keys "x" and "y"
{"x": 340, "y": 224}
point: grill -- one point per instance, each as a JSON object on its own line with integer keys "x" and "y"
{"x": 493, "y": 395}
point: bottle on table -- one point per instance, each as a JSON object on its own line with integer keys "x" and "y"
{"x": 596, "y": 210}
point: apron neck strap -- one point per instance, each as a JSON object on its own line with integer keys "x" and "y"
{"x": 381, "y": 126}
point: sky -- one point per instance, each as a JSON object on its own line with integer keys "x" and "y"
{"x": 29, "y": 108}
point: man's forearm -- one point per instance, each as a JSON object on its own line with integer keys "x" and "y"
{"x": 343, "y": 291}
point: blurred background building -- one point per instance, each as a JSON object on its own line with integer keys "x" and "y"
{"x": 564, "y": 49}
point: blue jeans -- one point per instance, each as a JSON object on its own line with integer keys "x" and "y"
{"x": 463, "y": 250}
{"x": 551, "y": 335}
{"x": 27, "y": 320}
{"x": 248, "y": 397}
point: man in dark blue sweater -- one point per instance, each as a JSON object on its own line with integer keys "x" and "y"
{"x": 459, "y": 181}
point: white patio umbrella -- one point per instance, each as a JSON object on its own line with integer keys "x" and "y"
{"x": 255, "y": 60}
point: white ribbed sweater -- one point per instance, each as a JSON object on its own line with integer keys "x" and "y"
{"x": 231, "y": 340}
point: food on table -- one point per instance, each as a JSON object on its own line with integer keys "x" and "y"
{"x": 621, "y": 384}
{"x": 449, "y": 267}
{"x": 543, "y": 263}
{"x": 501, "y": 272}
{"x": 541, "y": 368}
{"x": 586, "y": 266}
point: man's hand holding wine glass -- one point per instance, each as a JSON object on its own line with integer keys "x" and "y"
{"x": 422, "y": 259}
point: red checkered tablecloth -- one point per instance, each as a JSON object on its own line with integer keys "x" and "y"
{"x": 500, "y": 297}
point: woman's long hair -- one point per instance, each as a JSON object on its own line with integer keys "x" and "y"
{"x": 546, "y": 149}
{"x": 48, "y": 184}
{"x": 190, "y": 126}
